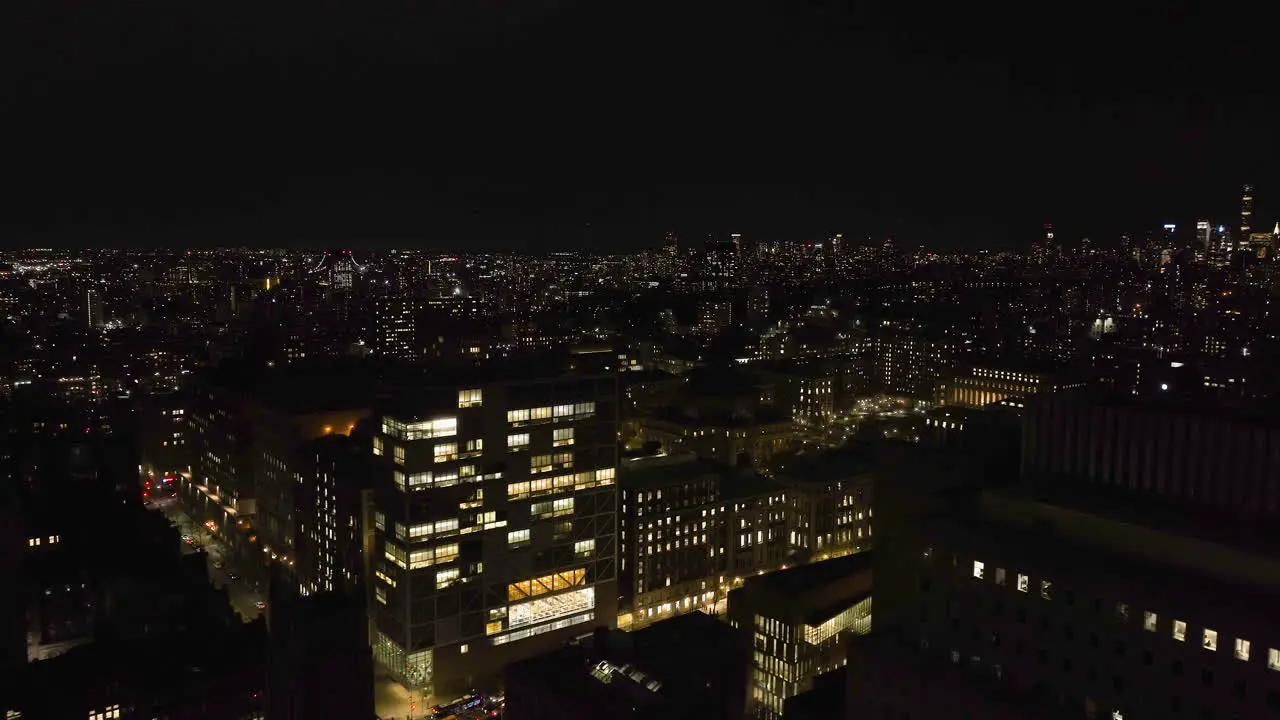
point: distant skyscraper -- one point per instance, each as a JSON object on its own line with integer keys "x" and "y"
{"x": 1041, "y": 250}
{"x": 1201, "y": 249}
{"x": 93, "y": 309}
{"x": 1220, "y": 245}
{"x": 1246, "y": 211}
{"x": 722, "y": 261}
{"x": 396, "y": 327}
{"x": 1168, "y": 243}
{"x": 1203, "y": 231}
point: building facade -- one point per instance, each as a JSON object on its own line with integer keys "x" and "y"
{"x": 494, "y": 524}
{"x": 689, "y": 531}
{"x": 799, "y": 621}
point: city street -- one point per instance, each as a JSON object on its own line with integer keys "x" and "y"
{"x": 243, "y": 597}
{"x": 392, "y": 700}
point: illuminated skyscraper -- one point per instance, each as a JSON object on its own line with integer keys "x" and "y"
{"x": 93, "y": 309}
{"x": 722, "y": 256}
{"x": 1204, "y": 232}
{"x": 1040, "y": 251}
{"x": 396, "y": 327}
{"x": 1220, "y": 245}
{"x": 494, "y": 523}
{"x": 1246, "y": 211}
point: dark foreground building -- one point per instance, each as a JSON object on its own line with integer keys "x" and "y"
{"x": 691, "y": 666}
{"x": 1117, "y": 579}
{"x": 320, "y": 664}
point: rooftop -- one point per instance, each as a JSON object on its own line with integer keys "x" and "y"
{"x": 804, "y": 577}
{"x": 1261, "y": 412}
{"x": 811, "y": 593}
{"x": 843, "y": 463}
{"x": 664, "y": 470}
{"x": 1079, "y": 549}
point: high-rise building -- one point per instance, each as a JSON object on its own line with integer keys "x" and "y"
{"x": 721, "y": 262}
{"x": 249, "y": 481}
{"x": 1221, "y": 246}
{"x": 1246, "y": 211}
{"x": 1042, "y": 250}
{"x": 1204, "y": 241}
{"x": 714, "y": 316}
{"x": 396, "y": 327}
{"x": 1168, "y": 243}
{"x": 93, "y": 309}
{"x": 330, "y": 495}
{"x": 494, "y": 522}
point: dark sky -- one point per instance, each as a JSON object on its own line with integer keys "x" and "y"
{"x": 519, "y": 123}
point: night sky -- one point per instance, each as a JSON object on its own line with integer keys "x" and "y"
{"x": 545, "y": 124}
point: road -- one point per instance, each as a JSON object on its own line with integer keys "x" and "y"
{"x": 243, "y": 597}
{"x": 392, "y": 700}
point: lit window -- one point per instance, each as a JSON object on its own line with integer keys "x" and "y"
{"x": 978, "y": 569}
{"x": 445, "y": 578}
{"x": 518, "y": 538}
{"x": 1242, "y": 649}
{"x": 1210, "y": 639}
{"x": 465, "y": 648}
{"x": 562, "y": 437}
{"x": 584, "y": 547}
{"x": 444, "y": 452}
{"x": 518, "y": 440}
{"x": 1273, "y": 659}
{"x": 1179, "y": 631}
{"x": 377, "y": 444}
{"x": 1000, "y": 576}
{"x": 517, "y": 416}
{"x": 1046, "y": 589}
{"x": 1149, "y": 621}
{"x": 469, "y": 398}
{"x": 398, "y": 454}
{"x": 1024, "y": 583}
